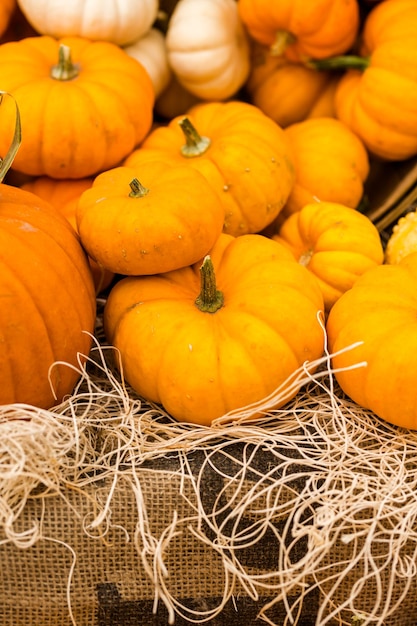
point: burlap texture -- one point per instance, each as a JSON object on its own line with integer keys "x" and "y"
{"x": 103, "y": 580}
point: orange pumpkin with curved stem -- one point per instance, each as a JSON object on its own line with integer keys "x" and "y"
{"x": 240, "y": 151}
{"x": 84, "y": 105}
{"x": 223, "y": 333}
{"x": 64, "y": 196}
{"x": 301, "y": 30}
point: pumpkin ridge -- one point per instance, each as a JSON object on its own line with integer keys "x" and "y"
{"x": 61, "y": 276}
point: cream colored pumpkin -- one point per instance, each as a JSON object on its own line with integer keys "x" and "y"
{"x": 208, "y": 48}
{"x": 118, "y": 21}
{"x": 150, "y": 51}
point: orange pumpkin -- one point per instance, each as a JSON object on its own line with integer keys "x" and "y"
{"x": 301, "y": 30}
{"x": 84, "y": 105}
{"x": 48, "y": 301}
{"x": 377, "y": 96}
{"x": 335, "y": 242}
{"x": 241, "y": 152}
{"x": 331, "y": 163}
{"x": 150, "y": 219}
{"x": 379, "y": 317}
{"x": 64, "y": 195}
{"x": 215, "y": 336}
{"x": 289, "y": 92}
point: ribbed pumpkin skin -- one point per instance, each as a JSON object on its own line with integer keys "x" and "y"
{"x": 381, "y": 311}
{"x": 248, "y": 162}
{"x": 289, "y": 92}
{"x": 335, "y": 242}
{"x": 73, "y": 128}
{"x": 380, "y": 103}
{"x": 48, "y": 300}
{"x": 200, "y": 365}
{"x": 321, "y": 28}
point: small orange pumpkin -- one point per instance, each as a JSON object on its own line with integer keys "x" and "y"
{"x": 331, "y": 163}
{"x": 150, "y": 219}
{"x": 218, "y": 335}
{"x": 289, "y": 92}
{"x": 84, "y": 105}
{"x": 301, "y": 30}
{"x": 241, "y": 152}
{"x": 64, "y": 195}
{"x": 335, "y": 242}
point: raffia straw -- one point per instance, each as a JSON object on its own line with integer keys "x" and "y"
{"x": 358, "y": 474}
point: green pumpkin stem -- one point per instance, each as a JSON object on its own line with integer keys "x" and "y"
{"x": 195, "y": 144}
{"x": 137, "y": 190}
{"x": 342, "y": 62}
{"x": 210, "y": 299}
{"x": 65, "y": 69}
{"x": 283, "y": 39}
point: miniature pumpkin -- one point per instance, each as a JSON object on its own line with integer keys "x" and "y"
{"x": 241, "y": 152}
{"x": 331, "y": 163}
{"x": 120, "y": 22}
{"x": 377, "y": 96}
{"x": 220, "y": 334}
{"x": 403, "y": 238}
{"x": 64, "y": 195}
{"x": 150, "y": 51}
{"x": 335, "y": 242}
{"x": 289, "y": 92}
{"x": 150, "y": 219}
{"x": 84, "y": 105}
{"x": 379, "y": 313}
{"x": 208, "y": 48}
{"x": 48, "y": 301}
{"x": 300, "y": 30}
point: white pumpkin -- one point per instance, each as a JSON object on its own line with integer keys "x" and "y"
{"x": 118, "y": 21}
{"x": 208, "y": 48}
{"x": 150, "y": 51}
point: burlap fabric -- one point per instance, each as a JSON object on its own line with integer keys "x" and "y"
{"x": 102, "y": 581}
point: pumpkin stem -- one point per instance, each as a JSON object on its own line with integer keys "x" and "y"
{"x": 210, "y": 299}
{"x": 7, "y": 161}
{"x": 283, "y": 39}
{"x": 137, "y": 189}
{"x": 195, "y": 144}
{"x": 65, "y": 69}
{"x": 342, "y": 62}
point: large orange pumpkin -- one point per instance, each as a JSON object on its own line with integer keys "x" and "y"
{"x": 379, "y": 317}
{"x": 84, "y": 105}
{"x": 48, "y": 301}
{"x": 220, "y": 334}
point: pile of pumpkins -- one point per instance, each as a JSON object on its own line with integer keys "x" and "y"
{"x": 200, "y": 164}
